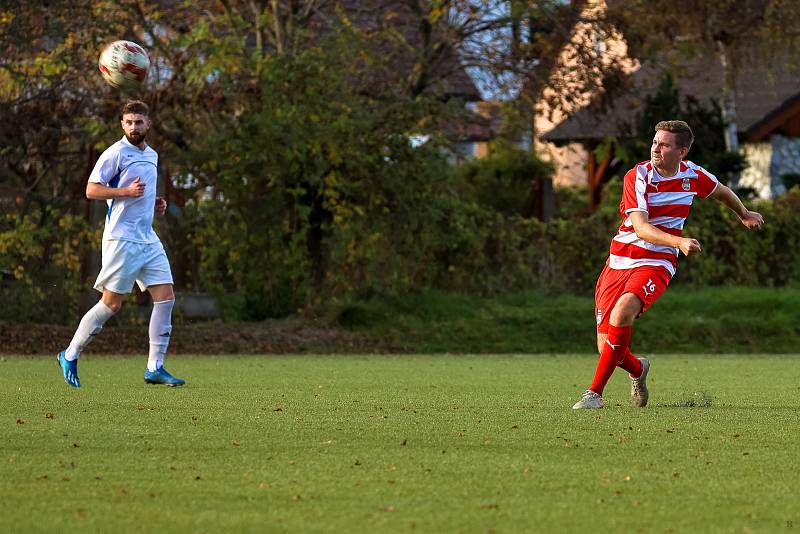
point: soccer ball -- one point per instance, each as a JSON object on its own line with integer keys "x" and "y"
{"x": 124, "y": 65}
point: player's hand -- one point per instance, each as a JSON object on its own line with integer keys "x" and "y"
{"x": 136, "y": 189}
{"x": 161, "y": 206}
{"x": 752, "y": 220}
{"x": 690, "y": 246}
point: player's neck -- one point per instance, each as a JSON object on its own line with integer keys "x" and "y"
{"x": 665, "y": 172}
{"x": 141, "y": 145}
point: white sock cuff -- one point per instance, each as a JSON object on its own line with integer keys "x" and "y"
{"x": 160, "y": 329}
{"x": 164, "y": 303}
{"x": 104, "y": 313}
{"x": 91, "y": 324}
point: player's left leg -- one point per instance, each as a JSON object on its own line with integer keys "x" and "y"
{"x": 160, "y": 331}
{"x": 160, "y": 328}
{"x": 629, "y": 362}
{"x": 648, "y": 284}
{"x": 639, "y": 392}
{"x": 156, "y": 277}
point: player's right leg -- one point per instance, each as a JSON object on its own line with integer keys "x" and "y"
{"x": 614, "y": 347}
{"x": 116, "y": 277}
{"x": 615, "y": 311}
{"x": 91, "y": 324}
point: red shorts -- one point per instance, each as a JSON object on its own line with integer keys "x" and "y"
{"x": 648, "y": 283}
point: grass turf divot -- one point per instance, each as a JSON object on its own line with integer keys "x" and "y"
{"x": 393, "y": 444}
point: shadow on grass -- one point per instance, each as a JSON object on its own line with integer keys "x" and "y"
{"x": 697, "y": 399}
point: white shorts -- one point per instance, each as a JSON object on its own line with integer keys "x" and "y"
{"x": 126, "y": 262}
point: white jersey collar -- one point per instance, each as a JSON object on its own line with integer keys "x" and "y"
{"x": 128, "y": 143}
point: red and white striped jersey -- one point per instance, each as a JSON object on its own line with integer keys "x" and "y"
{"x": 667, "y": 202}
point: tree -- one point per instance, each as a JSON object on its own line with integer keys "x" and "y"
{"x": 709, "y": 149}
{"x": 737, "y": 31}
{"x": 287, "y": 122}
{"x": 57, "y": 115}
{"x": 548, "y": 55}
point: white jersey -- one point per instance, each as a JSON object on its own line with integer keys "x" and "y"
{"x": 129, "y": 218}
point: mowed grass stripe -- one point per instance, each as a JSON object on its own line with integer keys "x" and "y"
{"x": 393, "y": 444}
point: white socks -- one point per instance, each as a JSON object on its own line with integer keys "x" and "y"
{"x": 160, "y": 331}
{"x": 90, "y": 326}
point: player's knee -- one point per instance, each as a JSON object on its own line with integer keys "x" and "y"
{"x": 114, "y": 305}
{"x": 626, "y": 310}
{"x": 162, "y": 293}
{"x": 622, "y": 318}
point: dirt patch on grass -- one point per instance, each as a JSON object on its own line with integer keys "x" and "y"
{"x": 215, "y": 337}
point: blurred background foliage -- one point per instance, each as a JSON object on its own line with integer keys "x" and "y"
{"x": 286, "y": 155}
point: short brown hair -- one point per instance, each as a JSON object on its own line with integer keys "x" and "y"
{"x": 134, "y": 106}
{"x": 683, "y": 134}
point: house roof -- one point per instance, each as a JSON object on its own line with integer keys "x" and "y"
{"x": 484, "y": 121}
{"x": 762, "y": 94}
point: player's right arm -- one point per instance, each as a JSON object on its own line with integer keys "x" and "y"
{"x": 635, "y": 207}
{"x": 102, "y": 180}
{"x": 652, "y": 234}
{"x": 98, "y": 191}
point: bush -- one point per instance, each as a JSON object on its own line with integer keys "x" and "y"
{"x": 503, "y": 181}
{"x": 791, "y": 180}
{"x": 41, "y": 257}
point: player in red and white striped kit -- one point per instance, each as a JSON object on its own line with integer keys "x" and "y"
{"x": 656, "y": 200}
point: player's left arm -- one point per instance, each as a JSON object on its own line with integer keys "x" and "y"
{"x": 751, "y": 219}
{"x": 161, "y": 205}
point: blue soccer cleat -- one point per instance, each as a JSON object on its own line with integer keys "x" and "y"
{"x": 161, "y": 376}
{"x": 70, "y": 369}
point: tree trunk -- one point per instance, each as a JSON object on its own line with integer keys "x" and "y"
{"x": 728, "y": 105}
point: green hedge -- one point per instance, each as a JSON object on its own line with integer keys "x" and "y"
{"x": 684, "y": 320}
{"x": 568, "y": 254}
{"x": 458, "y": 247}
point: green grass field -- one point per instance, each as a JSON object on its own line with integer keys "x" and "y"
{"x": 397, "y": 444}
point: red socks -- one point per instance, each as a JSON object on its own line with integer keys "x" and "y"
{"x": 631, "y": 364}
{"x": 616, "y": 352}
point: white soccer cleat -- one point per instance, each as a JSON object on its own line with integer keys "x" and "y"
{"x": 589, "y": 401}
{"x": 639, "y": 393}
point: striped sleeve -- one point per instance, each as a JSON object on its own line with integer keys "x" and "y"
{"x": 634, "y": 189}
{"x": 706, "y": 182}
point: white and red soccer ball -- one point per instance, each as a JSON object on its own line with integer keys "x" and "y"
{"x": 124, "y": 65}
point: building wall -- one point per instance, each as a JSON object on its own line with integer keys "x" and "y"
{"x": 785, "y": 160}
{"x": 768, "y": 162}
{"x": 570, "y": 162}
{"x": 756, "y": 175}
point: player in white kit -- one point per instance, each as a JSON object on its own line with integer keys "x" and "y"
{"x": 125, "y": 176}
